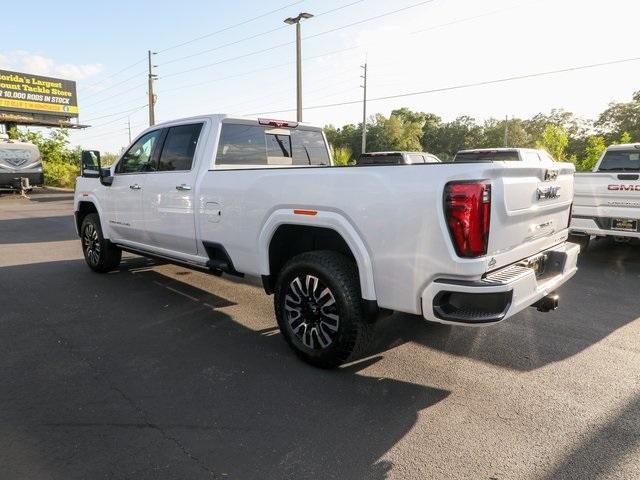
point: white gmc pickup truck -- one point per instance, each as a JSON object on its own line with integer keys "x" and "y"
{"x": 607, "y": 201}
{"x": 465, "y": 244}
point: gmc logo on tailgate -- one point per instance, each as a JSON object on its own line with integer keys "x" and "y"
{"x": 626, "y": 188}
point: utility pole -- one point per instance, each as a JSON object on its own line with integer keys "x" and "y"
{"x": 152, "y": 97}
{"x": 296, "y": 21}
{"x": 129, "y": 128}
{"x": 364, "y": 108}
{"x": 506, "y": 131}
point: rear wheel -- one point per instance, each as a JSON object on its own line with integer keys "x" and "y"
{"x": 319, "y": 309}
{"x": 99, "y": 253}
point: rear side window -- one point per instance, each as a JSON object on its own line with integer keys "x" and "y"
{"x": 620, "y": 161}
{"x": 258, "y": 145}
{"x": 489, "y": 156}
{"x": 179, "y": 148}
{"x": 309, "y": 148}
{"x": 416, "y": 158}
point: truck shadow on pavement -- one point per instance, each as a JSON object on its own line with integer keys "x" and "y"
{"x": 599, "y": 300}
{"x": 136, "y": 375}
{"x": 38, "y": 229}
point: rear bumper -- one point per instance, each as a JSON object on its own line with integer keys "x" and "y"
{"x": 599, "y": 226}
{"x": 499, "y": 294}
{"x": 12, "y": 179}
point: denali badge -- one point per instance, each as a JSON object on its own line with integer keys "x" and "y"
{"x": 548, "y": 193}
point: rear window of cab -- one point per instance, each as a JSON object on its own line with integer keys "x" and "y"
{"x": 257, "y": 145}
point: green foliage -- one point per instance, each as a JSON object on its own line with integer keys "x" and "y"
{"x": 341, "y": 156}
{"x": 554, "y": 139}
{"x": 565, "y": 136}
{"x": 594, "y": 149}
{"x": 625, "y": 138}
{"x": 620, "y": 118}
{"x": 107, "y": 159}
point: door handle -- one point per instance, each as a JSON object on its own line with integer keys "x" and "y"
{"x": 135, "y": 186}
{"x": 183, "y": 187}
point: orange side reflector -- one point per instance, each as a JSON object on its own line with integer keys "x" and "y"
{"x": 306, "y": 212}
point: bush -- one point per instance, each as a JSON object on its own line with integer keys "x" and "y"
{"x": 60, "y": 174}
{"x": 341, "y": 156}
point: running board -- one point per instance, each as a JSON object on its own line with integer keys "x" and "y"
{"x": 166, "y": 258}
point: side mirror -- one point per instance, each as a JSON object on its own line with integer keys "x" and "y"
{"x": 90, "y": 164}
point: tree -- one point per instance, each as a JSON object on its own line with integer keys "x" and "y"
{"x": 402, "y": 133}
{"x": 348, "y": 136}
{"x": 451, "y": 137}
{"x": 493, "y": 134}
{"x": 430, "y": 129}
{"x": 107, "y": 159}
{"x": 593, "y": 151}
{"x": 554, "y": 139}
{"x": 620, "y": 118}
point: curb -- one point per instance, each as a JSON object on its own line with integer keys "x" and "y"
{"x": 59, "y": 189}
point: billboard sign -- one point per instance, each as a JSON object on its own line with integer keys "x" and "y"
{"x": 26, "y": 93}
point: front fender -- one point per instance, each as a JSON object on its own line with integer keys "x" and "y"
{"x": 89, "y": 197}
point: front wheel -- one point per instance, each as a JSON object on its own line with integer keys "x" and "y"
{"x": 319, "y": 309}
{"x": 99, "y": 253}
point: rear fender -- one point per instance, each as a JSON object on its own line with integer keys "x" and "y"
{"x": 324, "y": 219}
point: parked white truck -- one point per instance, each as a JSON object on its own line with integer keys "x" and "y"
{"x": 607, "y": 201}
{"x": 464, "y": 244}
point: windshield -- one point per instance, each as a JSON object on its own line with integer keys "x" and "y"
{"x": 487, "y": 156}
{"x": 620, "y": 161}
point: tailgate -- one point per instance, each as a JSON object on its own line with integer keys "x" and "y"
{"x": 605, "y": 190}
{"x": 530, "y": 210}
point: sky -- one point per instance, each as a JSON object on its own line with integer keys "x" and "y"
{"x": 239, "y": 58}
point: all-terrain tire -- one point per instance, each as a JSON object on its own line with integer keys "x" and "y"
{"x": 332, "y": 287}
{"x": 100, "y": 254}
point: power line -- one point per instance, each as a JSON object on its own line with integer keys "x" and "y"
{"x": 462, "y": 86}
{"x": 120, "y": 118}
{"x": 188, "y": 42}
{"x": 111, "y": 98}
{"x": 128, "y": 79}
{"x": 263, "y": 50}
{"x": 111, "y": 114}
{"x": 365, "y": 20}
{"x": 475, "y": 17}
{"x": 251, "y": 37}
{"x": 257, "y": 70}
{"x": 112, "y": 75}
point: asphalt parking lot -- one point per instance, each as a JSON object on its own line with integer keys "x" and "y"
{"x": 155, "y": 371}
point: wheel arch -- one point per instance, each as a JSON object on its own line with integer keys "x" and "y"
{"x": 286, "y": 234}
{"x": 85, "y": 206}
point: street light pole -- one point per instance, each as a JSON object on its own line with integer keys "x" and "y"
{"x": 296, "y": 21}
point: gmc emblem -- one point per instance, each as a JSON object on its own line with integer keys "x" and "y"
{"x": 548, "y": 193}
{"x": 625, "y": 188}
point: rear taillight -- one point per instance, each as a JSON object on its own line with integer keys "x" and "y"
{"x": 468, "y": 213}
